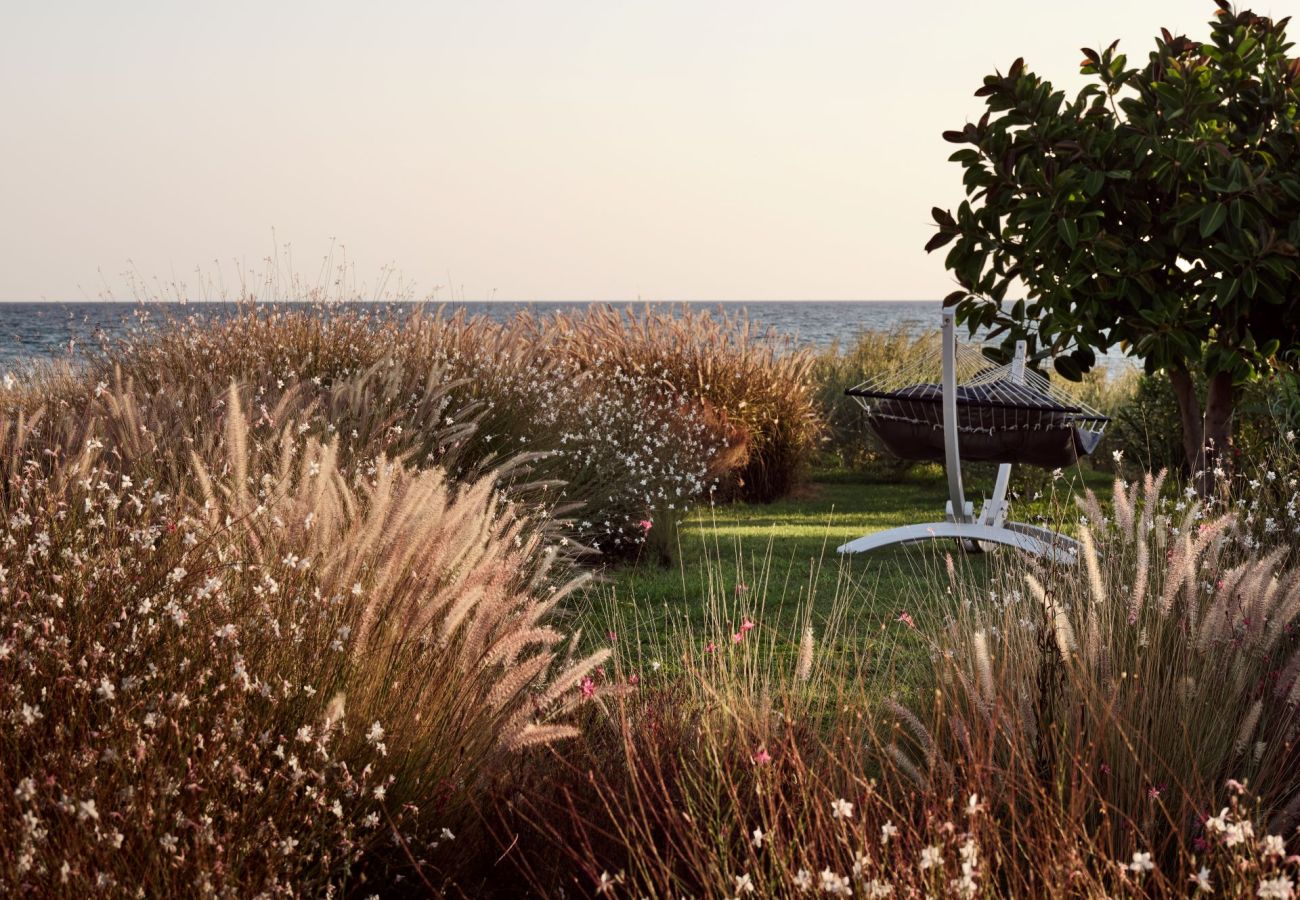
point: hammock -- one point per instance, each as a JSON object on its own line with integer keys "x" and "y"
{"x": 952, "y": 403}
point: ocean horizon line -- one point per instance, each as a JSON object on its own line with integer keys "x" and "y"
{"x": 492, "y": 300}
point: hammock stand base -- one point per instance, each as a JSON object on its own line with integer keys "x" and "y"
{"x": 973, "y": 533}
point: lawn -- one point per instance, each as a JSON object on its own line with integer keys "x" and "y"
{"x": 777, "y": 562}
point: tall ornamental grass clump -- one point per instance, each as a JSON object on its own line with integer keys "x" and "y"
{"x": 759, "y": 382}
{"x": 626, "y": 451}
{"x": 275, "y": 675}
{"x": 1124, "y": 727}
{"x": 1136, "y": 694}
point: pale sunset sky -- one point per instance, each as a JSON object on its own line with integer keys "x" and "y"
{"x": 519, "y": 150}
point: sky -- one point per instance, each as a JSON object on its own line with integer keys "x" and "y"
{"x": 566, "y": 150}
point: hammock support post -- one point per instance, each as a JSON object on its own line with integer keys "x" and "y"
{"x": 991, "y": 526}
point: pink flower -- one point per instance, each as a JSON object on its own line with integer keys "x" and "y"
{"x": 633, "y": 679}
{"x": 613, "y": 636}
{"x": 741, "y": 587}
{"x": 709, "y": 648}
{"x": 747, "y": 625}
{"x": 738, "y": 637}
{"x": 906, "y": 620}
{"x": 588, "y": 687}
{"x": 646, "y": 524}
{"x": 762, "y": 757}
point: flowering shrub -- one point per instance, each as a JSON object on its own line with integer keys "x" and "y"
{"x": 623, "y": 447}
{"x": 276, "y": 676}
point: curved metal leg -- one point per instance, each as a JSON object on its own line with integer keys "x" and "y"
{"x": 1047, "y": 544}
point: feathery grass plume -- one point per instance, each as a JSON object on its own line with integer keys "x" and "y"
{"x": 1059, "y": 620}
{"x": 908, "y": 718}
{"x": 1141, "y": 574}
{"x": 1093, "y": 564}
{"x": 803, "y": 668}
{"x": 1091, "y": 507}
{"x": 1123, "y": 504}
{"x": 1248, "y": 725}
{"x": 1181, "y": 567}
{"x": 984, "y": 667}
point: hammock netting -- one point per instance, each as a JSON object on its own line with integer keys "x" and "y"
{"x": 1000, "y": 419}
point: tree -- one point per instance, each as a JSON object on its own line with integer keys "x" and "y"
{"x": 1158, "y": 211}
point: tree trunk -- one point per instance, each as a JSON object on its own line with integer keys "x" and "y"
{"x": 1189, "y": 414}
{"x": 1220, "y": 402}
{"x": 1206, "y": 436}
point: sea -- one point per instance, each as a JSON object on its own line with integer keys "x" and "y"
{"x": 42, "y": 332}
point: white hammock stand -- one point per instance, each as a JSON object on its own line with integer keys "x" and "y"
{"x": 1009, "y": 399}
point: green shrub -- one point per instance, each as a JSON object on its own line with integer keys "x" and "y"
{"x": 849, "y": 443}
{"x": 1147, "y": 428}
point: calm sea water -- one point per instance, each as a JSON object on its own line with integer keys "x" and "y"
{"x": 42, "y": 332}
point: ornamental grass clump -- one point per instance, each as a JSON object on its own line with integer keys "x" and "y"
{"x": 1123, "y": 727}
{"x": 760, "y": 382}
{"x": 1132, "y": 694}
{"x": 275, "y": 675}
{"x": 623, "y": 454}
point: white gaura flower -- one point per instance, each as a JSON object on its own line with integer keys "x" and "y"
{"x": 1238, "y": 833}
{"x": 842, "y": 809}
{"x": 756, "y": 838}
{"x": 744, "y": 884}
{"x": 887, "y": 831}
{"x": 1141, "y": 863}
{"x": 1273, "y": 845}
{"x": 877, "y": 889}
{"x": 1280, "y": 888}
{"x": 931, "y": 857}
{"x": 1202, "y": 881}
{"x": 836, "y": 884}
{"x": 803, "y": 879}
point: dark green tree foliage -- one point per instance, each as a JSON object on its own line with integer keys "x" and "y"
{"x": 1158, "y": 211}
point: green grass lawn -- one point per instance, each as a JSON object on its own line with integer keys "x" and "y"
{"x": 777, "y": 563}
